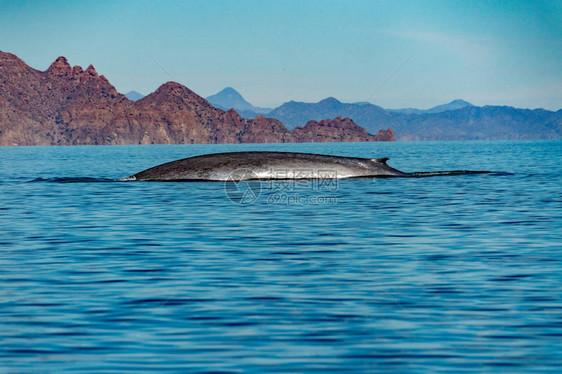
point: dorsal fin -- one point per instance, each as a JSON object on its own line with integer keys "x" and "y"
{"x": 381, "y": 160}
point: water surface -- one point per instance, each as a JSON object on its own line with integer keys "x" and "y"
{"x": 437, "y": 274}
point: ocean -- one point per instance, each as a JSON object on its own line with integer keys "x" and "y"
{"x": 437, "y": 274}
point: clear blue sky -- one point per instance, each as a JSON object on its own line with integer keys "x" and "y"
{"x": 486, "y": 52}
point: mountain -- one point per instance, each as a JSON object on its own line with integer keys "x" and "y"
{"x": 66, "y": 105}
{"x": 229, "y": 98}
{"x": 294, "y": 114}
{"x": 458, "y": 120}
{"x": 453, "y": 105}
{"x": 340, "y": 130}
{"x": 482, "y": 123}
{"x": 134, "y": 95}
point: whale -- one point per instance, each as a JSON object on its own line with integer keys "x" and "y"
{"x": 260, "y": 165}
{"x": 266, "y": 165}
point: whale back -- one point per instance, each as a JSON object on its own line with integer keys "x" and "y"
{"x": 267, "y": 165}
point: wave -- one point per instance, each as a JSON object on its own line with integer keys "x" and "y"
{"x": 71, "y": 180}
{"x": 454, "y": 172}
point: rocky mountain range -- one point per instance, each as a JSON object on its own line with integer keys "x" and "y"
{"x": 66, "y": 105}
{"x": 457, "y": 120}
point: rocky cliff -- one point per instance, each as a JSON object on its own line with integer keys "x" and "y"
{"x": 67, "y": 105}
{"x": 339, "y": 130}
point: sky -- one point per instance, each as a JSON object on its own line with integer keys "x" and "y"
{"x": 395, "y": 54}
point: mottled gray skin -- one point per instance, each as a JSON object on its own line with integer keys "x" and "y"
{"x": 266, "y": 165}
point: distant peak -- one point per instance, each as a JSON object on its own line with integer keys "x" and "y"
{"x": 229, "y": 92}
{"x": 8, "y": 55}
{"x": 174, "y": 88}
{"x": 60, "y": 67}
{"x": 91, "y": 71}
{"x": 61, "y": 60}
{"x": 170, "y": 85}
{"x": 330, "y": 100}
{"x": 134, "y": 95}
{"x": 230, "y": 98}
{"x": 460, "y": 102}
{"x": 453, "y": 105}
{"x": 77, "y": 70}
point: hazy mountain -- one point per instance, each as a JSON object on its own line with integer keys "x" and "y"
{"x": 294, "y": 114}
{"x": 453, "y": 105}
{"x": 229, "y": 98}
{"x": 134, "y": 95}
{"x": 458, "y": 120}
{"x": 66, "y": 105}
{"x": 482, "y": 123}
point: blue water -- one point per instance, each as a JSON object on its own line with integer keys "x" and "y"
{"x": 437, "y": 274}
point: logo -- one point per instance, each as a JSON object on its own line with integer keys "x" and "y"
{"x": 285, "y": 187}
{"x": 240, "y": 188}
